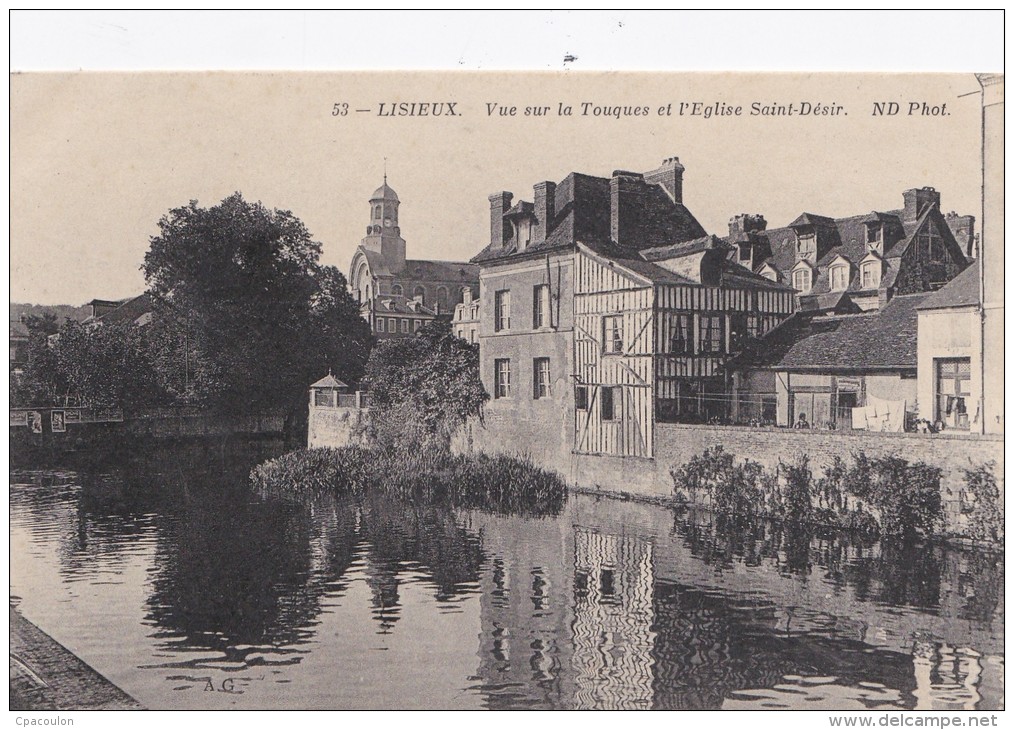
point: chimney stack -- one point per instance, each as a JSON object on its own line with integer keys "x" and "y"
{"x": 545, "y": 209}
{"x": 746, "y": 223}
{"x": 627, "y": 191}
{"x": 499, "y": 204}
{"x": 670, "y": 176}
{"x": 917, "y": 200}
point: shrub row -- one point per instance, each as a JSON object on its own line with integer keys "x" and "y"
{"x": 886, "y": 496}
{"x": 502, "y": 483}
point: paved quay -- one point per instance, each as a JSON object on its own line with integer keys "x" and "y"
{"x": 46, "y": 676}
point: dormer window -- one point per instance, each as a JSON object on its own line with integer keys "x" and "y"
{"x": 769, "y": 272}
{"x": 806, "y": 246}
{"x": 523, "y": 233}
{"x": 839, "y": 277}
{"x": 870, "y": 274}
{"x": 875, "y": 237}
{"x": 802, "y": 279}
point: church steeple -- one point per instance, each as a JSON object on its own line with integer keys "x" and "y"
{"x": 383, "y": 234}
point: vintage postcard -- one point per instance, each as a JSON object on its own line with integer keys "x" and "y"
{"x": 507, "y": 391}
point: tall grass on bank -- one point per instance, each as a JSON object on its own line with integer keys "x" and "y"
{"x": 316, "y": 471}
{"x": 504, "y": 484}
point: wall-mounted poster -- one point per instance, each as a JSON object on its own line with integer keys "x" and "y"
{"x": 35, "y": 421}
{"x": 58, "y": 422}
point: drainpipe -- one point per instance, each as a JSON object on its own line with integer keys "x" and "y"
{"x": 982, "y": 278}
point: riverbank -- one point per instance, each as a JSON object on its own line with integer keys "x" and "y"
{"x": 46, "y": 676}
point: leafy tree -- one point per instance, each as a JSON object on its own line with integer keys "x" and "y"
{"x": 245, "y": 315}
{"x": 431, "y": 381}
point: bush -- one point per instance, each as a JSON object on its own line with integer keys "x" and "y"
{"x": 886, "y": 495}
{"x": 316, "y": 471}
{"x": 502, "y": 483}
{"x": 985, "y": 509}
{"x": 731, "y": 489}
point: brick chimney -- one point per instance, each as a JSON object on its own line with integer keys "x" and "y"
{"x": 545, "y": 209}
{"x": 499, "y": 229}
{"x": 627, "y": 195}
{"x": 670, "y": 176}
{"x": 917, "y": 200}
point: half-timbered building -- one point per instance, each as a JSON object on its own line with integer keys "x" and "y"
{"x": 653, "y": 332}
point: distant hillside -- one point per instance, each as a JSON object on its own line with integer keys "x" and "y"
{"x": 62, "y": 311}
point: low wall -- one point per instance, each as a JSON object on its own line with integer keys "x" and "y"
{"x": 675, "y": 444}
{"x": 333, "y": 427}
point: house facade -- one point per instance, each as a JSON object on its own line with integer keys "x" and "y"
{"x": 392, "y": 316}
{"x": 380, "y": 267}
{"x": 465, "y": 323}
{"x": 838, "y": 372}
{"x": 858, "y": 263}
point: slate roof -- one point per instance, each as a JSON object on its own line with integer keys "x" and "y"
{"x": 881, "y": 340}
{"x": 451, "y": 271}
{"x": 582, "y": 210}
{"x": 961, "y": 291}
{"x": 394, "y": 304}
{"x": 730, "y": 274}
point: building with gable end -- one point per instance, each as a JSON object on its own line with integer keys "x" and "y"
{"x": 380, "y": 267}
{"x": 853, "y": 264}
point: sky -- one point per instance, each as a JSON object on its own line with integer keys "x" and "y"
{"x": 98, "y": 158}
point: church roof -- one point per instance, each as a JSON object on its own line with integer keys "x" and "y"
{"x": 384, "y": 192}
{"x": 451, "y": 271}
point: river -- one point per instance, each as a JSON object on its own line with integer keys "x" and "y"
{"x": 187, "y": 589}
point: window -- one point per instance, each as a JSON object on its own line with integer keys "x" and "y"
{"x": 392, "y": 326}
{"x": 501, "y": 378}
{"x": 839, "y": 278}
{"x": 871, "y": 274}
{"x": 612, "y": 334}
{"x": 381, "y": 324}
{"x": 442, "y": 299}
{"x": 769, "y": 273}
{"x": 420, "y": 294}
{"x": 954, "y": 379}
{"x": 376, "y": 212}
{"x": 471, "y": 336}
{"x": 680, "y": 338}
{"x": 737, "y": 331}
{"x": 404, "y": 326}
{"x": 754, "y": 325}
{"x": 608, "y": 402}
{"x": 801, "y": 280}
{"x": 540, "y": 378}
{"x": 502, "y": 310}
{"x": 873, "y": 234}
{"x": 712, "y": 333}
{"x": 540, "y": 306}
{"x": 416, "y": 325}
{"x": 807, "y": 246}
{"x": 581, "y": 397}
{"x": 397, "y": 290}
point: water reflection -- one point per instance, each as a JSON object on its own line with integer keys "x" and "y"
{"x": 608, "y": 605}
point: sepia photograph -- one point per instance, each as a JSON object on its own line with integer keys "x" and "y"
{"x": 499, "y": 390}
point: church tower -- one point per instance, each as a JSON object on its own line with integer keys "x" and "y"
{"x": 383, "y": 234}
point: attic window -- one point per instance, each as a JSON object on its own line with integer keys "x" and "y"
{"x": 807, "y": 246}
{"x": 769, "y": 273}
{"x": 839, "y": 277}
{"x": 870, "y": 273}
{"x": 801, "y": 280}
{"x": 873, "y": 233}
